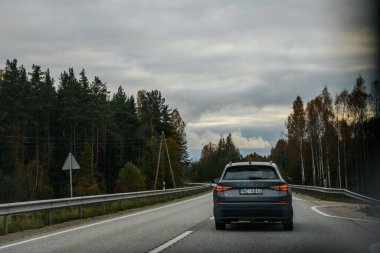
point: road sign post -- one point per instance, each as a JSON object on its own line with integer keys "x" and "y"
{"x": 71, "y": 164}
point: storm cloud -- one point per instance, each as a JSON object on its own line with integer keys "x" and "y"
{"x": 228, "y": 66}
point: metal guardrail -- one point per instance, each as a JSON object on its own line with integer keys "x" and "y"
{"x": 337, "y": 191}
{"x": 50, "y": 204}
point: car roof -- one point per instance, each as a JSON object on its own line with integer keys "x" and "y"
{"x": 272, "y": 164}
{"x": 251, "y": 163}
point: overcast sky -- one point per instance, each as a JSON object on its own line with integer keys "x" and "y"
{"x": 228, "y": 66}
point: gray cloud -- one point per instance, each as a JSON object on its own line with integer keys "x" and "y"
{"x": 215, "y": 58}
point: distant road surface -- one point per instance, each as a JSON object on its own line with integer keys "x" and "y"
{"x": 188, "y": 226}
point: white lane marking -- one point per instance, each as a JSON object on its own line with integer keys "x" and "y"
{"x": 171, "y": 242}
{"x": 374, "y": 248}
{"x": 300, "y": 199}
{"x": 314, "y": 208}
{"x": 212, "y": 218}
{"x": 101, "y": 222}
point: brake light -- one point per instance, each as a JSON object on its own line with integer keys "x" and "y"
{"x": 219, "y": 188}
{"x": 281, "y": 187}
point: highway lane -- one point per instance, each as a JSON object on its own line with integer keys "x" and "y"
{"x": 136, "y": 232}
{"x": 313, "y": 232}
{"x": 188, "y": 223}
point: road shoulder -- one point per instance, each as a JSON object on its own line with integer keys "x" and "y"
{"x": 342, "y": 209}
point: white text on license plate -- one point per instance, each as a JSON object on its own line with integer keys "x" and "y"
{"x": 256, "y": 191}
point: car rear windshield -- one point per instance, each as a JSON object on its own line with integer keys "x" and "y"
{"x": 252, "y": 172}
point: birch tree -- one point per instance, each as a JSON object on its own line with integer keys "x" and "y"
{"x": 341, "y": 107}
{"x": 296, "y": 129}
{"x": 358, "y": 102}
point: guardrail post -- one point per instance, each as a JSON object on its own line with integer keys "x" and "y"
{"x": 5, "y": 224}
{"x": 50, "y": 217}
{"x": 104, "y": 207}
{"x": 80, "y": 211}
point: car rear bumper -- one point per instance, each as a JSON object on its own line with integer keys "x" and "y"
{"x": 252, "y": 211}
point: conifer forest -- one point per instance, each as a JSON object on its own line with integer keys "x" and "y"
{"x": 110, "y": 135}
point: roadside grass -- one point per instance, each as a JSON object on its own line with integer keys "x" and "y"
{"x": 24, "y": 221}
{"x": 39, "y": 219}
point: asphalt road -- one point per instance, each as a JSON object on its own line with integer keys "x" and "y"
{"x": 188, "y": 226}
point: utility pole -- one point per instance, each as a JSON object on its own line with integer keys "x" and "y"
{"x": 163, "y": 139}
{"x": 158, "y": 163}
{"x": 170, "y": 164}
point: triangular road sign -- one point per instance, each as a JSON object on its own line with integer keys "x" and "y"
{"x": 70, "y": 160}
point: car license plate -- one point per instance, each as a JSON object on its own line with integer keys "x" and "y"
{"x": 251, "y": 191}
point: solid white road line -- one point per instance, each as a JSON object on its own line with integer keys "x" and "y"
{"x": 212, "y": 218}
{"x": 300, "y": 199}
{"x": 171, "y": 242}
{"x": 314, "y": 208}
{"x": 101, "y": 222}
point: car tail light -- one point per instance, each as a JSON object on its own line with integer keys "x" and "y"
{"x": 219, "y": 188}
{"x": 282, "y": 201}
{"x": 281, "y": 187}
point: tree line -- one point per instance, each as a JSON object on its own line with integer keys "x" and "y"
{"x": 115, "y": 137}
{"x": 330, "y": 143}
{"x": 334, "y": 142}
{"x": 214, "y": 157}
